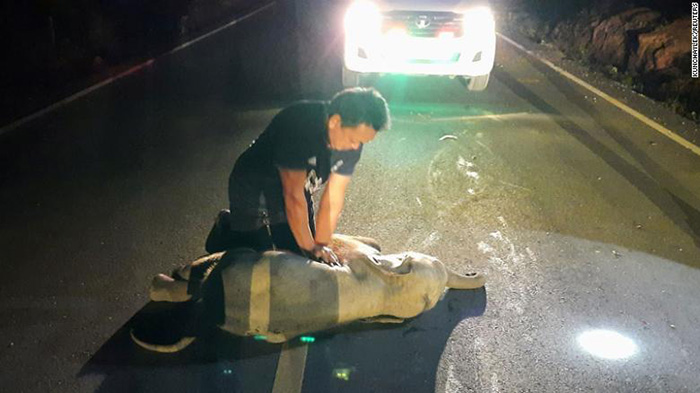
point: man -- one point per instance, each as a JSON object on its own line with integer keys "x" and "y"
{"x": 305, "y": 146}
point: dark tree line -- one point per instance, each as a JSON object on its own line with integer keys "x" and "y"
{"x": 50, "y": 46}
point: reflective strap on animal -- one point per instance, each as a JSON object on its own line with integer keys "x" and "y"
{"x": 259, "y": 311}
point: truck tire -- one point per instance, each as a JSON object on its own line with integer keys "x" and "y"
{"x": 478, "y": 83}
{"x": 351, "y": 78}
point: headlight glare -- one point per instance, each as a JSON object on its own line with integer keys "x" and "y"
{"x": 479, "y": 21}
{"x": 362, "y": 20}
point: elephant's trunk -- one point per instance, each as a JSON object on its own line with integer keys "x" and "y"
{"x": 170, "y": 348}
{"x": 468, "y": 281}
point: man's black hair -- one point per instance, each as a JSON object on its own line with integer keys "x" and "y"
{"x": 361, "y": 105}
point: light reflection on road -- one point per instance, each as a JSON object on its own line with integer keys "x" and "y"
{"x": 607, "y": 344}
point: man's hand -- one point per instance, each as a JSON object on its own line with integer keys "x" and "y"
{"x": 331, "y": 206}
{"x": 323, "y": 254}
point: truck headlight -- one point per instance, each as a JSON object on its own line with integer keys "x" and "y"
{"x": 478, "y": 21}
{"x": 363, "y": 21}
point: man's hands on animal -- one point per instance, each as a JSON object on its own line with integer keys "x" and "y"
{"x": 306, "y": 145}
{"x": 323, "y": 254}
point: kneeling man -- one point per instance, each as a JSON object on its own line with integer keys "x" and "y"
{"x": 306, "y": 145}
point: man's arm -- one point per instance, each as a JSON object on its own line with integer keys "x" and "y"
{"x": 295, "y": 206}
{"x": 332, "y": 202}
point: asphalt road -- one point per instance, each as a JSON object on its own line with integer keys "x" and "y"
{"x": 582, "y": 217}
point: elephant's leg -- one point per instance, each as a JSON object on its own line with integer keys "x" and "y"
{"x": 185, "y": 282}
{"x": 167, "y": 289}
{"x": 200, "y": 265}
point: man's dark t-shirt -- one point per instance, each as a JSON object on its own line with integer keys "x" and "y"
{"x": 297, "y": 138}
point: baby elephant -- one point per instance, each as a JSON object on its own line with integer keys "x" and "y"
{"x": 280, "y": 295}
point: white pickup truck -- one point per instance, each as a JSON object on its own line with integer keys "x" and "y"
{"x": 454, "y": 38}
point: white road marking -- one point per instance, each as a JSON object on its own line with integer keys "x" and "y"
{"x": 130, "y": 71}
{"x": 219, "y": 29}
{"x": 649, "y": 122}
{"x": 289, "y": 376}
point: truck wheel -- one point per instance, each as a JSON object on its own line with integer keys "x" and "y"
{"x": 478, "y": 83}
{"x": 351, "y": 78}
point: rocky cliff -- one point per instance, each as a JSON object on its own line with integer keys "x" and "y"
{"x": 645, "y": 47}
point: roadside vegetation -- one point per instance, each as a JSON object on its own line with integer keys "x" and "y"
{"x": 58, "y": 47}
{"x": 644, "y": 44}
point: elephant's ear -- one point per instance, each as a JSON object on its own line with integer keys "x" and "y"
{"x": 395, "y": 265}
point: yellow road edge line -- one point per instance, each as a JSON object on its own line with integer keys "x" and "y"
{"x": 289, "y": 376}
{"x": 649, "y": 122}
{"x": 58, "y": 104}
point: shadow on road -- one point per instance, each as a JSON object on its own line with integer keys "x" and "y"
{"x": 354, "y": 358}
{"x": 664, "y": 182}
{"x": 657, "y": 184}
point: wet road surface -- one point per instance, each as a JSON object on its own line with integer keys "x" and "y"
{"x": 583, "y": 218}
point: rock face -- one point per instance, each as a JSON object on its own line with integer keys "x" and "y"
{"x": 614, "y": 38}
{"x": 575, "y": 36}
{"x": 663, "y": 48}
{"x": 633, "y": 46}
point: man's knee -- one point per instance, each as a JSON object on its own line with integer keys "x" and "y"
{"x": 220, "y": 234}
{"x": 284, "y": 238}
